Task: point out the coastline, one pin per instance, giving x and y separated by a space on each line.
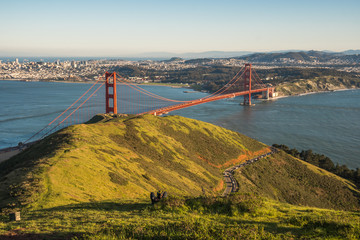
318 92
309 93
92 82
327 91
42 80
174 86
7 155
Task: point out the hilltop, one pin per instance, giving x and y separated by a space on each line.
291 57
123 157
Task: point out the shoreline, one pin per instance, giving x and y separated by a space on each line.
318 92
9 154
92 82
175 85
309 93
326 91
42 80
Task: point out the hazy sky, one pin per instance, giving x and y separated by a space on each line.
124 28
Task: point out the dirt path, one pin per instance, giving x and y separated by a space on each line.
230 181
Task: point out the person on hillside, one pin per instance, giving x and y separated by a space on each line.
159 194
20 145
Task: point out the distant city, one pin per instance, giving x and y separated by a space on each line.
84 69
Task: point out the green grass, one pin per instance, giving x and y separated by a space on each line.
242 216
318 84
287 179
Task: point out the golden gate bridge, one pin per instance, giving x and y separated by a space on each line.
245 83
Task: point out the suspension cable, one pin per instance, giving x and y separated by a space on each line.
139 89
74 110
261 82
171 100
216 93
64 111
230 85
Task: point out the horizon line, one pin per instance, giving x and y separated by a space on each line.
143 55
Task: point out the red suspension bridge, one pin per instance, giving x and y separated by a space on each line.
123 96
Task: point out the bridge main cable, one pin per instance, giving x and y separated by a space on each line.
226 88
64 111
73 110
143 91
261 82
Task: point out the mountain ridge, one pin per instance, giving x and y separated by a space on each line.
240 54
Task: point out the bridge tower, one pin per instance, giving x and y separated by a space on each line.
110 88
247 84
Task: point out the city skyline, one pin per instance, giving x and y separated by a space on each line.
131 28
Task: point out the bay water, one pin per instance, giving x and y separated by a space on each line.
328 123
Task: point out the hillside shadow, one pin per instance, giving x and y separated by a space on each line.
330 228
101 206
17 235
272 227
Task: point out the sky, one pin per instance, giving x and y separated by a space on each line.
133 27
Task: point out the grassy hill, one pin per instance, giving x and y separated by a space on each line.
92 181
287 179
123 157
241 216
317 84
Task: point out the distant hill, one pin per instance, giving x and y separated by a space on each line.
351 52
317 84
194 55
355 58
253 56
198 60
294 56
174 59
302 57
294 80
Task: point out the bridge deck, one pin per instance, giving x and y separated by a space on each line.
201 101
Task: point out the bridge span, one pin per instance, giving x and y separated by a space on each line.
141 101
166 110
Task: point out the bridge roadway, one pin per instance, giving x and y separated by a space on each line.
201 101
231 183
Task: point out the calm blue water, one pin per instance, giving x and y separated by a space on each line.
328 123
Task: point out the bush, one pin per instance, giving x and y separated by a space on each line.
232 205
